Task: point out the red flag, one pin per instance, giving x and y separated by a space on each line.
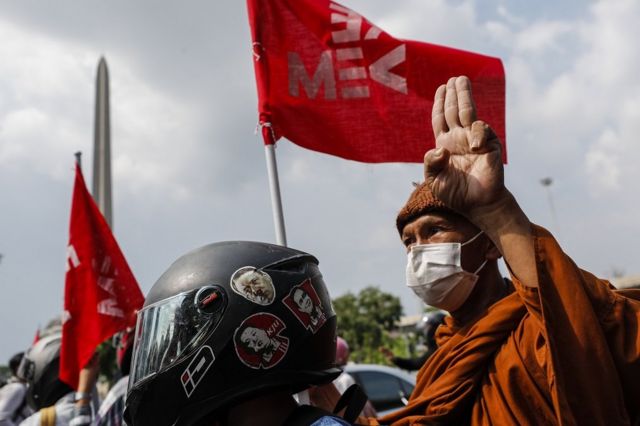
101 295
331 81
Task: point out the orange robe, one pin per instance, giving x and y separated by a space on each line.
567 353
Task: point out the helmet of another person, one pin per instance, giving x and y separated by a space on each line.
342 351
428 325
39 368
225 323
14 362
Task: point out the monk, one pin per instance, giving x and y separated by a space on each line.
555 345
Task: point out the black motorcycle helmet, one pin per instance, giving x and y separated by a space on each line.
39 368
429 324
14 363
225 323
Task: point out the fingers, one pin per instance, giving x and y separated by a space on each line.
466 106
437 114
483 138
435 160
451 104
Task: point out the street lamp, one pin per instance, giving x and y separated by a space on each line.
546 182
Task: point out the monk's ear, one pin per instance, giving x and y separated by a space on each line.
492 252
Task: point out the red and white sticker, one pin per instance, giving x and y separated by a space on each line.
305 304
196 370
259 342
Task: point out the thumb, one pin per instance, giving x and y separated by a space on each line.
435 161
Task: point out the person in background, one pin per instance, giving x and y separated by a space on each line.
427 327
112 407
55 403
13 401
344 381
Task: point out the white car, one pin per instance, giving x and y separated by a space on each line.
388 388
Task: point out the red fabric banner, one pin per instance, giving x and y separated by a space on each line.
331 81
101 295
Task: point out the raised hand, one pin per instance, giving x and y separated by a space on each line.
465 169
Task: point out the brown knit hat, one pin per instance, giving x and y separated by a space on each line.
420 202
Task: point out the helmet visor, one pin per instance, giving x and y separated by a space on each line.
26 369
168 330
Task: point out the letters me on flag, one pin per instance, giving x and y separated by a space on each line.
101 295
331 81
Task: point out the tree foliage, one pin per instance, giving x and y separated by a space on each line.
107 359
365 321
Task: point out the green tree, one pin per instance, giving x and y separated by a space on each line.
107 360
365 321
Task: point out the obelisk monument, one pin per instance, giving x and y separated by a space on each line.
102 145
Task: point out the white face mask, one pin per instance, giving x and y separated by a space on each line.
435 274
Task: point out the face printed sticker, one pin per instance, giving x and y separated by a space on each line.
254 285
305 304
259 342
196 370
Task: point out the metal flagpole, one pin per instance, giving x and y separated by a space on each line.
274 186
269 138
78 156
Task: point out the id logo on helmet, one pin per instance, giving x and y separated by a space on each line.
196 370
259 342
305 304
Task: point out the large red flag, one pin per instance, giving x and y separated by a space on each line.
101 295
331 81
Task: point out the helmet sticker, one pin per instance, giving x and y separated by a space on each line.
254 285
259 341
196 370
305 304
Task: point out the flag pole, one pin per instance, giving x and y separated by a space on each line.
276 201
274 183
268 134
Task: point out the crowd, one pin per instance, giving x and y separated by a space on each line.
244 333
35 395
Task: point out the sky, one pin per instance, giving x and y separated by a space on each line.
188 168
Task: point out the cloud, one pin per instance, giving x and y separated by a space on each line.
46 115
541 36
573 114
154 137
188 169
603 162
34 128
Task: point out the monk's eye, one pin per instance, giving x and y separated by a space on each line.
429 231
408 241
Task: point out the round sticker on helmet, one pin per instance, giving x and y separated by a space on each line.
254 285
259 342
